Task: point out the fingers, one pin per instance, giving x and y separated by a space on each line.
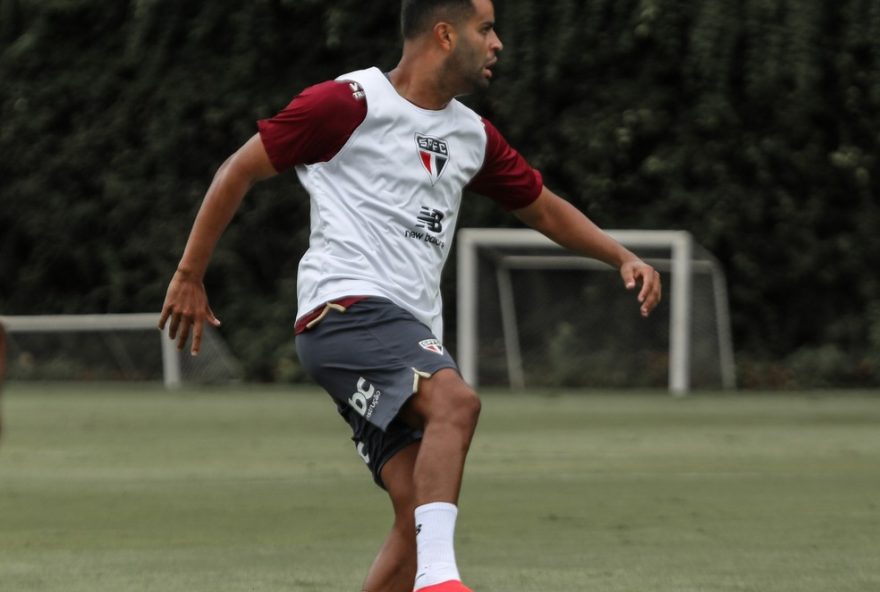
198 330
651 292
212 319
197 339
180 327
184 333
185 311
182 324
163 318
175 323
629 278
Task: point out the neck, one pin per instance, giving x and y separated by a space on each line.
417 81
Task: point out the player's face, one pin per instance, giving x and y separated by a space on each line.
477 48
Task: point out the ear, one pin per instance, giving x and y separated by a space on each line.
445 35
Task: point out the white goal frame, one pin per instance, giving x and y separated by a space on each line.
681 264
171 374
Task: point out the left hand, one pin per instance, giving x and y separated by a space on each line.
635 272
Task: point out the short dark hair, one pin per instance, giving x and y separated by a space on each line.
419 16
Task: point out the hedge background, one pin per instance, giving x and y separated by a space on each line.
754 124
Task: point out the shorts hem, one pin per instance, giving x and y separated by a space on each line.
416 372
377 475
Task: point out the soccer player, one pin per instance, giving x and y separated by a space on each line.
385 158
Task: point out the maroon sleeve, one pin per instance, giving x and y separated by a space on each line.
506 177
315 125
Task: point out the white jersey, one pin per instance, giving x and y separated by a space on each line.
384 208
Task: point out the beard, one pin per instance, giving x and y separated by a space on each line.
465 66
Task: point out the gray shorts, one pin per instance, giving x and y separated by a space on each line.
370 359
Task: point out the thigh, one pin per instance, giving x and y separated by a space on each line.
370 360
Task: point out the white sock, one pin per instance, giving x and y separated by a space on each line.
435 530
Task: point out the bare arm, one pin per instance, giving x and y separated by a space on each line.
186 302
569 227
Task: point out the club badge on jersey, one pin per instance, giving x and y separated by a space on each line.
432 345
434 154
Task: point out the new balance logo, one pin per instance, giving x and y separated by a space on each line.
431 220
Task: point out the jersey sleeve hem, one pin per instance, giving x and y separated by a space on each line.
506 177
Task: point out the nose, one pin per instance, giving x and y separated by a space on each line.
496 42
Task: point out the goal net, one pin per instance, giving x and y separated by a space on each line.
125 347
531 314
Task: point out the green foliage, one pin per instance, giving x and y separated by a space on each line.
114 121
751 123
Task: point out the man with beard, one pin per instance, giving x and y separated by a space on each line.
385 158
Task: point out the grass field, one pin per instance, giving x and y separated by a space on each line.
131 488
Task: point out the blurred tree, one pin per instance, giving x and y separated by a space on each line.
751 123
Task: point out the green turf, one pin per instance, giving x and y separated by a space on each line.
123 489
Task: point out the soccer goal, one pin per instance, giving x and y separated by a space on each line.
125 347
531 313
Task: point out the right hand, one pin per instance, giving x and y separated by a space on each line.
636 271
186 304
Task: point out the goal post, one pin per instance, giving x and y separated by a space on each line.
176 367
520 249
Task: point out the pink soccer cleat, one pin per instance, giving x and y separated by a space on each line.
450 586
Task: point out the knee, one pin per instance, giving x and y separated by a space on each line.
461 406
445 398
471 406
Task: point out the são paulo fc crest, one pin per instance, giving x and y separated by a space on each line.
434 154
432 345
